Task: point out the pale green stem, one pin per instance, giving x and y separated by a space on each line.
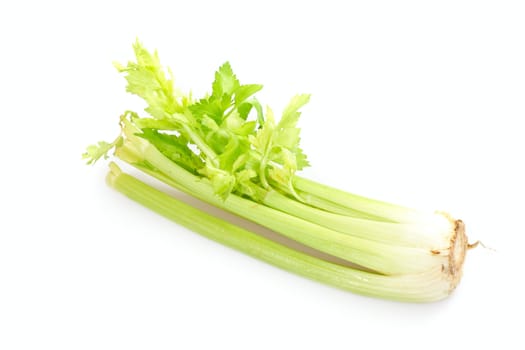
384 258
203 146
425 287
376 208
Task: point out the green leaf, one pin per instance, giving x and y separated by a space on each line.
300 158
225 81
101 149
291 113
243 92
210 107
147 79
287 138
232 151
175 148
262 140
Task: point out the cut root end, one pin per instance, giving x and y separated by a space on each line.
458 250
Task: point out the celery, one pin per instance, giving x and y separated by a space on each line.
225 150
424 287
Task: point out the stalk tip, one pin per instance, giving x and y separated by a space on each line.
114 172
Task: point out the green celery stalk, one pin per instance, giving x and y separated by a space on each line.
350 203
423 287
370 253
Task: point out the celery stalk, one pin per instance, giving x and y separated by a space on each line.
372 253
354 203
424 287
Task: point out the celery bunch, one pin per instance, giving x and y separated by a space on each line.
227 150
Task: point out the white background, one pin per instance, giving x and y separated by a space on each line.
415 102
